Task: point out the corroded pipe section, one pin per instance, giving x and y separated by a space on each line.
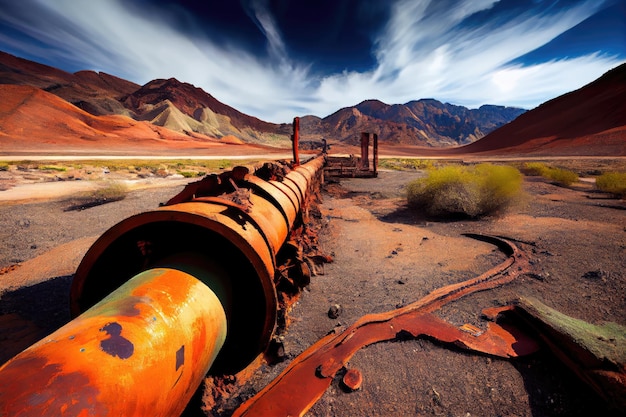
155 337
155 296
242 231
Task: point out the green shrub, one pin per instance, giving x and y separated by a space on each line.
499 185
223 164
4 166
535 168
190 174
612 182
466 191
560 176
111 192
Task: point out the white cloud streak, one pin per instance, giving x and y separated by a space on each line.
427 54
421 53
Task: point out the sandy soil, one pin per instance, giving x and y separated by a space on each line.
385 256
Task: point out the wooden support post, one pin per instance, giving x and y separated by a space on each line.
365 143
295 139
375 167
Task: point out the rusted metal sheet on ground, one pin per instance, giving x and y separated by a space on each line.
308 376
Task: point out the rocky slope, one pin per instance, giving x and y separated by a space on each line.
96 93
588 121
35 121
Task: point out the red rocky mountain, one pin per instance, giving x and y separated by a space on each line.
185 108
96 93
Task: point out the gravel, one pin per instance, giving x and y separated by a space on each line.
28 230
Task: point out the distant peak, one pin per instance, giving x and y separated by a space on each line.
371 101
371 105
173 84
161 82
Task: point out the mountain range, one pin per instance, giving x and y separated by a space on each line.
45 108
425 122
185 109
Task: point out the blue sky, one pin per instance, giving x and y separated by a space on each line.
276 59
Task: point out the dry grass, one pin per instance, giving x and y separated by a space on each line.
108 193
133 166
406 163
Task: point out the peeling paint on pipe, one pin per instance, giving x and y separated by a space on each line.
156 336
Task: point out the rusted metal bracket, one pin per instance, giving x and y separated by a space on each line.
595 353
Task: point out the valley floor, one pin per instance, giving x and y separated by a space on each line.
384 256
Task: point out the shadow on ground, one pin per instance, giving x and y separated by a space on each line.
31 313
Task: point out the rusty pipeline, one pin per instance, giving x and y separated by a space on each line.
164 296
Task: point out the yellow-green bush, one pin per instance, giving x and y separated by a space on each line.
612 182
560 176
467 191
534 168
107 193
57 168
191 174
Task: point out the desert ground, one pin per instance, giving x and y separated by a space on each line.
385 255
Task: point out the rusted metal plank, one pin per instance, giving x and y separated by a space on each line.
595 353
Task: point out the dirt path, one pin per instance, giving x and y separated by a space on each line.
385 256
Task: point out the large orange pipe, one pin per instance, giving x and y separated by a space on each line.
155 337
223 249
243 239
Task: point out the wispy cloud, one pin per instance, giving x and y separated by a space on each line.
428 49
429 53
267 25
